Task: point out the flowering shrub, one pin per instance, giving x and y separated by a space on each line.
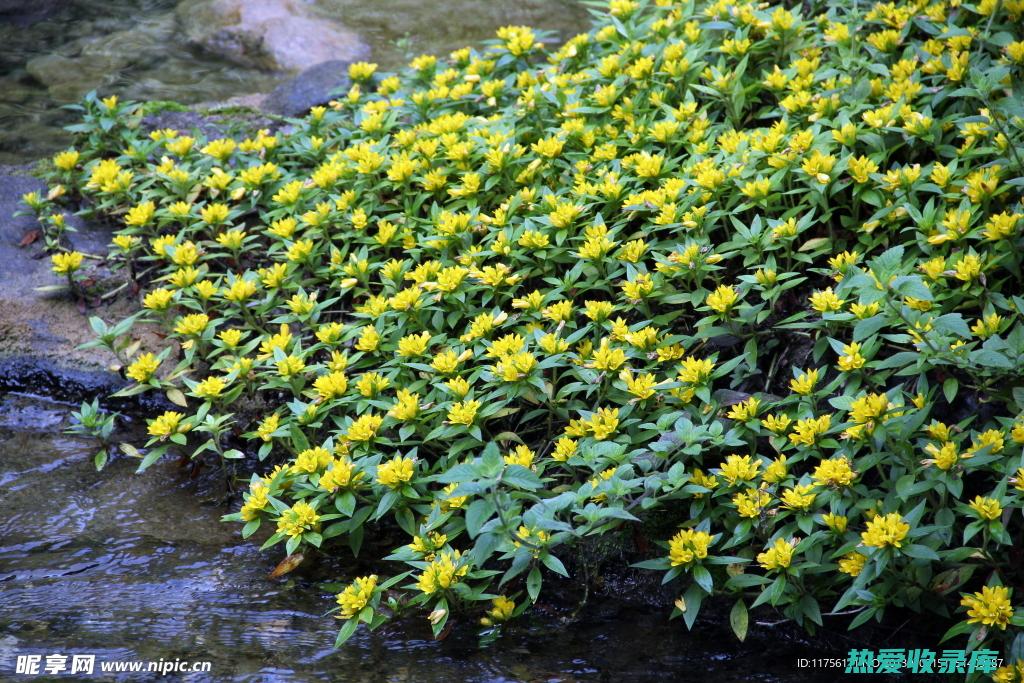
746 269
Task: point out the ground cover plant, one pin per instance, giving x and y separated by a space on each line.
747 269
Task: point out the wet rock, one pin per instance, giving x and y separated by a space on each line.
238 118
27 12
147 37
68 79
276 35
34 323
316 85
51 69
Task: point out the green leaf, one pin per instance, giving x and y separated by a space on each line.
346 632
912 286
521 477
921 552
151 458
554 564
533 582
703 578
693 598
477 514
739 619
345 503
949 388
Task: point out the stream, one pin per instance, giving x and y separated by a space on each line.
139 567
52 52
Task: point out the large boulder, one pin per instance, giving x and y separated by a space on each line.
275 35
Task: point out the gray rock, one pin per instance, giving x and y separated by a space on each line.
275 35
316 85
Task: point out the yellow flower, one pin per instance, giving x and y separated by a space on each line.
331 385
722 299
192 324
140 214
396 473
944 457
807 431
885 530
311 460
607 358
143 368
66 160
688 546
500 612
406 407
356 596
340 474
986 508
836 523
749 503
799 497
289 366
369 339
777 424
364 427
776 471
852 563
413 345
65 263
565 448
165 425
463 413
835 472
990 607
804 382
968 268
740 468
268 426
548 147
522 456
641 386
778 556
851 359
603 423
443 572
298 519
210 388
826 301
745 410
255 501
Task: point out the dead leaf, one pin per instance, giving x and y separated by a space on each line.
30 237
287 564
175 396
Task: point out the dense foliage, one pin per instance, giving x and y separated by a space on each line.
737 267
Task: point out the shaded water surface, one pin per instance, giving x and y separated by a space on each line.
54 51
133 567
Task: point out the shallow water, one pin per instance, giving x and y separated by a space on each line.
130 567
133 48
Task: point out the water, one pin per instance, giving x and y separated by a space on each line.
130 567
134 48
